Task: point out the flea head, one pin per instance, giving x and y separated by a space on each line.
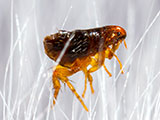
115 35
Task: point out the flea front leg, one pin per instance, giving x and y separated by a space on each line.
105 68
109 53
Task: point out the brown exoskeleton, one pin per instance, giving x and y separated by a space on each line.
86 47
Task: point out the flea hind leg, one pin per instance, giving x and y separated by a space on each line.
56 86
61 73
65 80
85 83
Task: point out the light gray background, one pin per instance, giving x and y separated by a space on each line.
25 70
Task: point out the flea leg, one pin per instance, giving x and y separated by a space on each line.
107 70
82 65
56 86
85 84
90 79
96 63
118 62
110 53
65 79
61 73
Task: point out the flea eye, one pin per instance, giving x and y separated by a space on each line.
118 33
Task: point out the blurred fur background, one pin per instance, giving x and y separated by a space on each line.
25 71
